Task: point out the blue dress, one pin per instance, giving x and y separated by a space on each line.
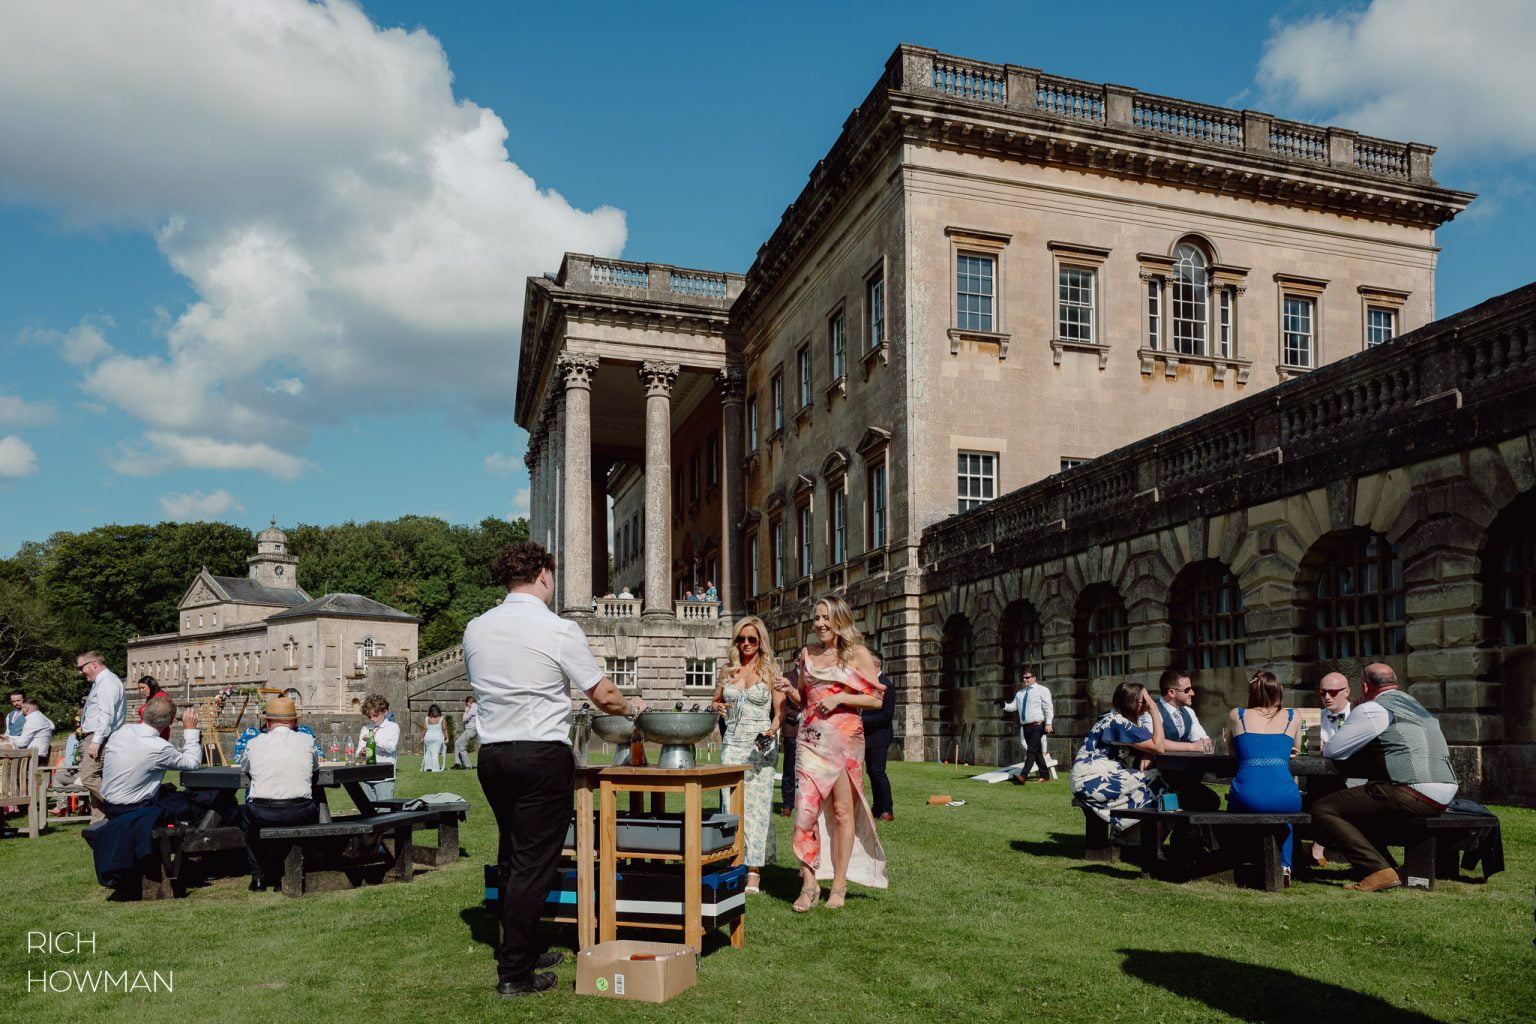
1263 783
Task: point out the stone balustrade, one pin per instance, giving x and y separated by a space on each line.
920 70
618 607
653 281
697 611
1480 356
434 662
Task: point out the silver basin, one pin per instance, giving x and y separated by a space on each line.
612 728
677 727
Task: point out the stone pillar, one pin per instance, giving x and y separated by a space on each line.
533 459
658 379
575 560
600 582
732 383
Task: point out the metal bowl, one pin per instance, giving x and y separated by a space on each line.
677 727
613 728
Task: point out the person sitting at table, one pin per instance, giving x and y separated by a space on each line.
386 740
1263 741
36 730
136 762
1182 732
1102 772
279 773
1333 697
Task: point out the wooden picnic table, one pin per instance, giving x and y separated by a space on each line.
1224 766
327 776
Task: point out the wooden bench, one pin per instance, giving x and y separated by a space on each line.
446 818
1249 844
160 875
19 786
353 842
1432 846
1097 846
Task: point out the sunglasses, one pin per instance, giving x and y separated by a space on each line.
754 641
1331 693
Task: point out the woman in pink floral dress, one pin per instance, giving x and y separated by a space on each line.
833 680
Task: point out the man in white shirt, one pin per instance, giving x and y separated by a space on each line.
36 732
1182 731
279 771
1409 768
466 734
138 758
522 661
106 708
1333 695
1037 716
385 732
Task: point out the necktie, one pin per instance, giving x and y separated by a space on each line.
1336 719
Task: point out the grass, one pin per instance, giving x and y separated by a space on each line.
991 916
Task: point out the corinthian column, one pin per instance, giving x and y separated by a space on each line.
576 560
658 379
732 383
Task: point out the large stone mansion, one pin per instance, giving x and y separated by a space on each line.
995 278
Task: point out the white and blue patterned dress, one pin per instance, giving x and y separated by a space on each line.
1102 774
747 713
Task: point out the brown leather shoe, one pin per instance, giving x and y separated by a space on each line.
887 816
1386 878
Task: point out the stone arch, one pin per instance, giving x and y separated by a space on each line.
959 715
1101 641
1350 604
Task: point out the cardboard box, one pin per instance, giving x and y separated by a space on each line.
607 969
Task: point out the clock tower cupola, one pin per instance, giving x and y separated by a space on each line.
272 565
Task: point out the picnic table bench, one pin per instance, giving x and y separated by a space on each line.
161 874
347 846
1097 845
1439 847
1249 844
445 818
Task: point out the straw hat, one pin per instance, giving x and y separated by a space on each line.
280 708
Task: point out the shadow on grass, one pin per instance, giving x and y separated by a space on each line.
1057 844
1260 995
482 925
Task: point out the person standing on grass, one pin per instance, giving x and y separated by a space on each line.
385 732
1037 715
1411 776
467 734
522 660
878 731
105 711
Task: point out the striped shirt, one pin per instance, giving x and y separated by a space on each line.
280 764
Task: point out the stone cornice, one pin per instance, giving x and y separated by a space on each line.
1023 114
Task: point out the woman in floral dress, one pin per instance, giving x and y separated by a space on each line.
834 679
752 710
1102 772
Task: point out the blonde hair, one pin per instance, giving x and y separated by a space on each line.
846 635
767 664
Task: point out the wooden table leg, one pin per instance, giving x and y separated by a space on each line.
607 863
693 843
739 847
586 895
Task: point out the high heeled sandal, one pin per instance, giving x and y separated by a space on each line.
808 899
754 882
837 897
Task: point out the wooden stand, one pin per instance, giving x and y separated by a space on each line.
609 782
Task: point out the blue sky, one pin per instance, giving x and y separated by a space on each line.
266 257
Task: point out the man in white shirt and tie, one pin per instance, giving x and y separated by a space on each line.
138 758
1333 695
279 769
106 708
1037 714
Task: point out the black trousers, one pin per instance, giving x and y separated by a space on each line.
528 785
261 856
1034 750
790 738
1354 820
876 751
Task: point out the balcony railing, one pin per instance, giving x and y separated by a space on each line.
1009 86
654 281
697 611
618 607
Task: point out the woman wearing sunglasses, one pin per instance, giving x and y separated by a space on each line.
753 711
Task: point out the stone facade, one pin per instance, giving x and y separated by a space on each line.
264 631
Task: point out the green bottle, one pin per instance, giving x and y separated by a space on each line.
1303 739
373 750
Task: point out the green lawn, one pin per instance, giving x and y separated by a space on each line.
991 917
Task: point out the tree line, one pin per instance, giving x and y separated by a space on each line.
100 588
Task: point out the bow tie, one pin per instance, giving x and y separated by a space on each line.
1336 719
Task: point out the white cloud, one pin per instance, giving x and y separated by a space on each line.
503 465
17 459
355 236
196 506
1455 75
163 451
520 503
80 345
22 413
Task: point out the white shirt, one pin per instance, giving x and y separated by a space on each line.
1037 708
386 740
280 764
105 707
1326 728
36 734
471 716
522 660
1197 733
138 759
1366 722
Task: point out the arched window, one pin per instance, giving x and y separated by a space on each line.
1101 633
959 668
1509 573
1023 642
367 649
1356 607
1205 609
1191 300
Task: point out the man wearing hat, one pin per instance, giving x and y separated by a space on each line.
279 783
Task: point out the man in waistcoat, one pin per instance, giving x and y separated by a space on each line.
1401 746
1182 731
